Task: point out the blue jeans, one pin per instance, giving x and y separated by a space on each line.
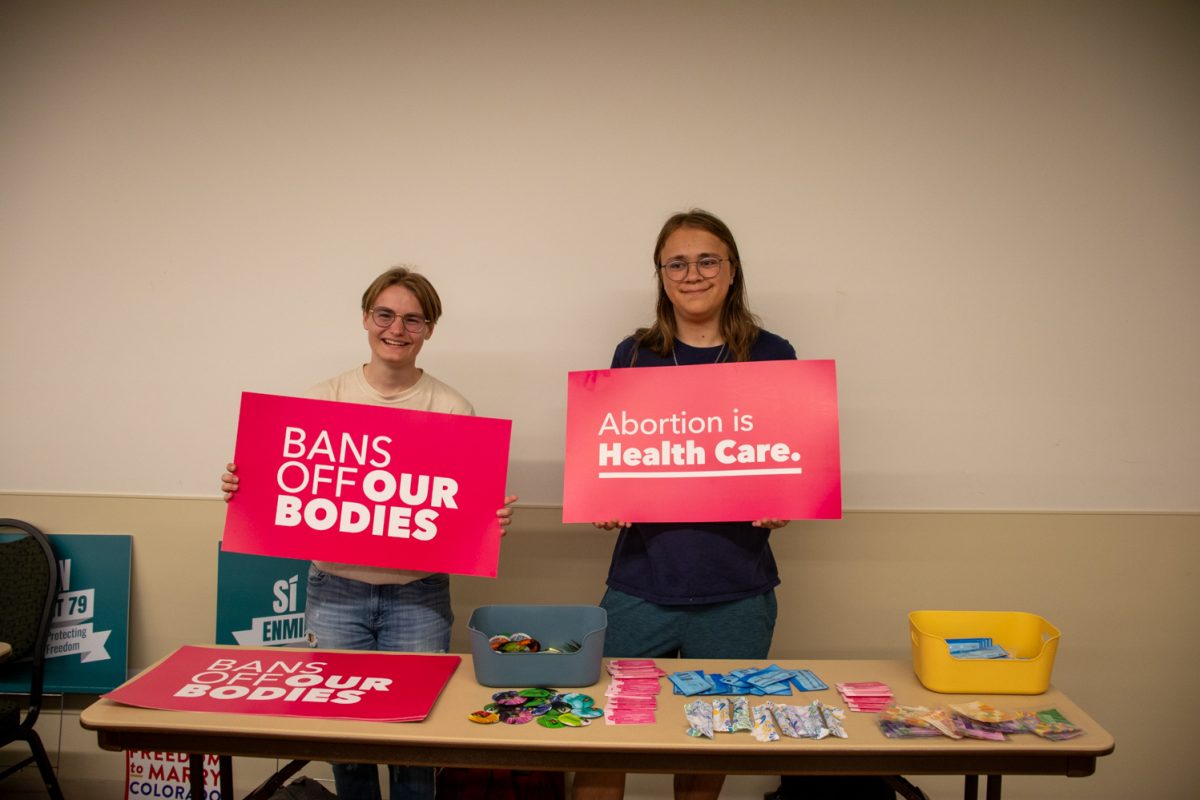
343 614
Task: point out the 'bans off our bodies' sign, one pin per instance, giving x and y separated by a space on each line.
717 442
384 687
361 484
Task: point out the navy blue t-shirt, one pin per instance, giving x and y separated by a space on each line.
690 563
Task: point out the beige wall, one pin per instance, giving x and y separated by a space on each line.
1122 587
984 212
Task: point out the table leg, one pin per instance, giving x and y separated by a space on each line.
993 787
196 774
970 787
226 776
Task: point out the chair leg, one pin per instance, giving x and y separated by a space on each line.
905 788
13 769
45 767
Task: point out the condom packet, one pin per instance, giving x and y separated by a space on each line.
717 686
786 719
699 715
909 715
805 680
739 681
984 712
737 678
868 696
720 685
722 715
905 722
831 717
980 720
973 729
976 647
1051 724
966 644
940 718
894 729
771 680
812 722
741 715
984 653
690 683
764 729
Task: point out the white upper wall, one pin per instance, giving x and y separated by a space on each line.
985 212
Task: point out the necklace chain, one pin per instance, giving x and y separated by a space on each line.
720 353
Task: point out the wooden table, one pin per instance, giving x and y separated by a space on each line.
448 738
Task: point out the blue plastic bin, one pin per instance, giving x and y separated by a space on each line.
551 625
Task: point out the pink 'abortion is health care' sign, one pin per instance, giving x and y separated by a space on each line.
362 484
715 442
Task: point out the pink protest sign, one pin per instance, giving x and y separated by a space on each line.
360 484
276 681
710 443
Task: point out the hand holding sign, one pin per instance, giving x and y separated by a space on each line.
229 481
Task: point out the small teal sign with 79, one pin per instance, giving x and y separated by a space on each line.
87 646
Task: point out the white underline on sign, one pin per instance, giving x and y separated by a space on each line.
710 473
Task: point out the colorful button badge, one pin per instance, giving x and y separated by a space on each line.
514 643
550 708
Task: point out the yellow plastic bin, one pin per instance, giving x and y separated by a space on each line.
1031 640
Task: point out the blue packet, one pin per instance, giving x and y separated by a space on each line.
690 683
993 651
720 685
771 675
805 681
737 678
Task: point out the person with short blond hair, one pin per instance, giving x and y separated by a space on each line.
355 607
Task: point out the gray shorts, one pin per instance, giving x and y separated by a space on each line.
638 628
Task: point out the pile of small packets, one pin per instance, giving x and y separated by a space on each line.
751 680
551 709
974 720
765 721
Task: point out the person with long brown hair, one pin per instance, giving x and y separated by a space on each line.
691 590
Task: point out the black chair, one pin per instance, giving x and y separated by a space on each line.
28 590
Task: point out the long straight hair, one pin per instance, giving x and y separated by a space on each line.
739 327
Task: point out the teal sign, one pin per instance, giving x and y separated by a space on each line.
260 600
87 650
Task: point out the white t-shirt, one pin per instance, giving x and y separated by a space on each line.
427 394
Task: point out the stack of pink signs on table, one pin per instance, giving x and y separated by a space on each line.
633 692
865 695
